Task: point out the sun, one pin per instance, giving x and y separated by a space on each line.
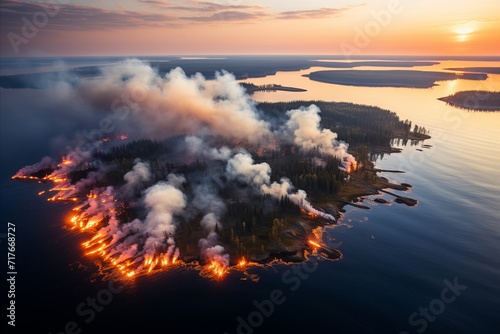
464 30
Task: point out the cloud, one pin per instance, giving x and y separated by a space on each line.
156 3
227 16
312 13
213 7
76 17
160 14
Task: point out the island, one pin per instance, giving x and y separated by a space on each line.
478 100
252 88
389 78
491 70
218 205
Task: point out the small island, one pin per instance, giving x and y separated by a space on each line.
252 88
478 100
389 78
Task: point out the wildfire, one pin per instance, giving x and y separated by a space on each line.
217 268
353 166
314 244
63 199
310 214
98 206
122 137
242 263
26 177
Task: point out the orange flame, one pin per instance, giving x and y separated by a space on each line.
242 263
353 166
313 243
310 214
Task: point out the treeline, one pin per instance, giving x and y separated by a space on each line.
355 124
138 148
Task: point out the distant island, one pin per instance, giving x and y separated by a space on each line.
389 78
491 70
251 88
474 100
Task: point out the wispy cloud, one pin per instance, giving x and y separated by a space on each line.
76 17
213 7
312 13
163 14
227 16
156 3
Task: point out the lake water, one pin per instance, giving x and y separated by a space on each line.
396 258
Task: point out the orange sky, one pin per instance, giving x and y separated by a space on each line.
157 27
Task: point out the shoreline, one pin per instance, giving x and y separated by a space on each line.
474 100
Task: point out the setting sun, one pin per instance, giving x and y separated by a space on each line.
464 30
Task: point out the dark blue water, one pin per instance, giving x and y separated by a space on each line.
396 258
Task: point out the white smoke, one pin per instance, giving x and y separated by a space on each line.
210 246
198 147
163 200
137 177
241 167
299 198
304 125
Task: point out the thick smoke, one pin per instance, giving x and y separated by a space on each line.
163 200
304 125
198 147
241 167
176 104
137 177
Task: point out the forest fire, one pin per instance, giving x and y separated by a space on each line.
217 269
224 179
62 199
310 214
98 206
25 177
242 263
313 244
352 167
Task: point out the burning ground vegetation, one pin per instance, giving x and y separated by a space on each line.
210 196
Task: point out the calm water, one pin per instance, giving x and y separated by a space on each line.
395 261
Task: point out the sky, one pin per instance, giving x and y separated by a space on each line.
320 27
